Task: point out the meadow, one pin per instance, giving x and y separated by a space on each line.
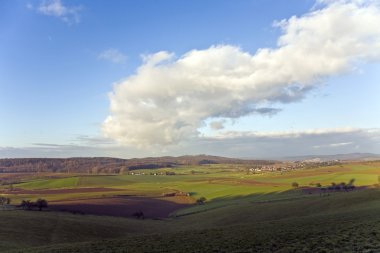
243 211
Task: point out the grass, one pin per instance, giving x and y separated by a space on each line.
211 182
26 229
343 222
57 183
243 213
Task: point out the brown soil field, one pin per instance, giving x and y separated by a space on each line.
63 191
370 171
42 175
13 175
123 206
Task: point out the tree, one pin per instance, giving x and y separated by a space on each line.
295 185
201 200
350 185
318 185
26 204
41 203
139 215
5 201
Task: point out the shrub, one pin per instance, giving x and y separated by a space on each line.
41 203
201 200
139 215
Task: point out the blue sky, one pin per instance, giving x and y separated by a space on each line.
59 60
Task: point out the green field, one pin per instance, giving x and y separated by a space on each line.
243 213
211 182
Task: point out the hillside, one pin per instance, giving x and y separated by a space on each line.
241 212
343 222
94 165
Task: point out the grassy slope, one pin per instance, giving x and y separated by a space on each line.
69 182
26 229
345 222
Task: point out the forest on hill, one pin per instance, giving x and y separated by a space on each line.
95 165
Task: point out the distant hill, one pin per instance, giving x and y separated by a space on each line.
341 157
94 165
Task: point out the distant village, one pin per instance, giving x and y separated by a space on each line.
284 167
158 173
278 167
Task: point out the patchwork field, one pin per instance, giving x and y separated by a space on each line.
242 211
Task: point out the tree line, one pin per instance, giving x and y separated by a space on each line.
97 165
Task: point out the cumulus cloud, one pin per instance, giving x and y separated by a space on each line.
68 14
170 98
113 55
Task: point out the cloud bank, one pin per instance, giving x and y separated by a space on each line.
231 144
169 98
292 143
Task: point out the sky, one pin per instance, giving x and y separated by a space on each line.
247 78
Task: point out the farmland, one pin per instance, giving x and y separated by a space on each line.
242 211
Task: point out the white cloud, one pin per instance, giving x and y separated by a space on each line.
68 14
113 55
170 98
333 145
288 134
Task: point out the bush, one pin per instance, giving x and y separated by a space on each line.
41 203
201 200
295 185
5 201
139 215
26 205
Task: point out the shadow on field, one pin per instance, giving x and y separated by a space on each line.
297 193
124 206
